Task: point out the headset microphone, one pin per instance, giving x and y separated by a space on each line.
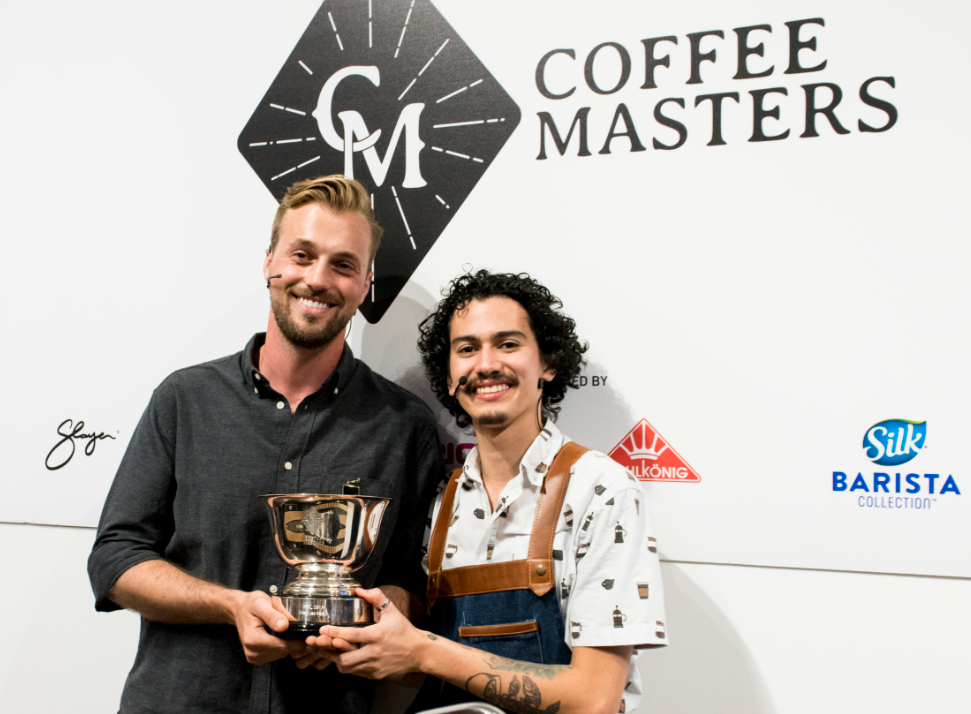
271 278
463 380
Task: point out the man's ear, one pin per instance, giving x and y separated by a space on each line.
266 265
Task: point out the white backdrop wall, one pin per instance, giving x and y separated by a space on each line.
758 304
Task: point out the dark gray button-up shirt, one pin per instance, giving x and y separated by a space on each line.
213 438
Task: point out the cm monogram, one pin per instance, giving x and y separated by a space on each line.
388 93
355 128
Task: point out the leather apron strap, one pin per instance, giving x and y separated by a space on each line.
436 542
534 573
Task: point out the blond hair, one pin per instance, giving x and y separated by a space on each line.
342 194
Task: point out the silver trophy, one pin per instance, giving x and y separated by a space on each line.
325 538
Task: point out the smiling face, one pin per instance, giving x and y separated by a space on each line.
323 258
494 346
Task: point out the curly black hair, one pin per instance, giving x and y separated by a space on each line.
559 346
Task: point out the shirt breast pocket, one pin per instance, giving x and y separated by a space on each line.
381 518
378 525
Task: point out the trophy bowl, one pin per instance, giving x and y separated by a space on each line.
325 538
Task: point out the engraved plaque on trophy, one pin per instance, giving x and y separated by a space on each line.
325 538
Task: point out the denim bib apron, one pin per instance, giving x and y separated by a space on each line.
508 609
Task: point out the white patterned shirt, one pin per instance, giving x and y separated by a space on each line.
608 578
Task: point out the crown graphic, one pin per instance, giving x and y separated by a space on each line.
643 451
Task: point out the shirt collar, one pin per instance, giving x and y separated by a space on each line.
535 462
338 379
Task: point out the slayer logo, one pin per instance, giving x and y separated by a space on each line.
647 455
387 93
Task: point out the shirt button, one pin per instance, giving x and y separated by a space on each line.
288 466
279 405
255 390
335 390
257 377
273 589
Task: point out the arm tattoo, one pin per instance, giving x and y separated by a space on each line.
464 647
530 703
540 671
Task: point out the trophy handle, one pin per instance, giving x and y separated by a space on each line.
372 523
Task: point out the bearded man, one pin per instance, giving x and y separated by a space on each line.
183 538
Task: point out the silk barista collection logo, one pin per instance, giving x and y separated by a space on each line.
895 442
660 64
387 93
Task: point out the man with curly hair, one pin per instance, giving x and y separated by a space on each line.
543 577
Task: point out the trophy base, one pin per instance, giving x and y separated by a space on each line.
297 631
312 613
303 630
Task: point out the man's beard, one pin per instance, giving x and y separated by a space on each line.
315 336
496 418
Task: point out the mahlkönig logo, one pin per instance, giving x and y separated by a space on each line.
649 457
894 442
387 93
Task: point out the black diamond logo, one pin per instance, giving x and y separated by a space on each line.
386 92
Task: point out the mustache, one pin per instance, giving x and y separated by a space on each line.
475 382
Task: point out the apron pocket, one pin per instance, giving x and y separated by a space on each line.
518 640
513 628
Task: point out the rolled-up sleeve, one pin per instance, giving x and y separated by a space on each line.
136 523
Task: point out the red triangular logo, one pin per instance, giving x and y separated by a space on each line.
649 456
